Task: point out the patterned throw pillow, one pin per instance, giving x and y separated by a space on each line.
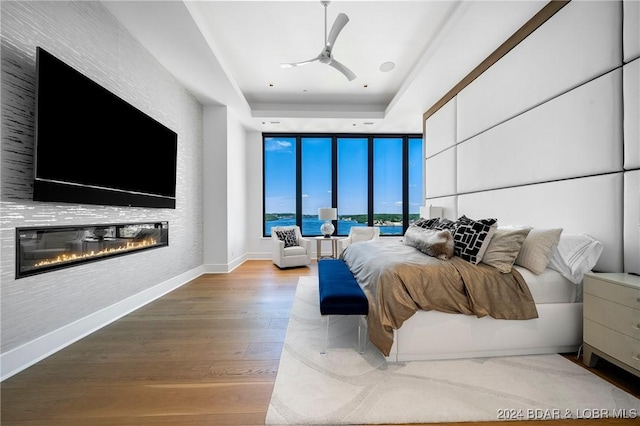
427 223
471 238
288 236
445 223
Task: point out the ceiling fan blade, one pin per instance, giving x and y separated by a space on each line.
297 64
338 25
343 69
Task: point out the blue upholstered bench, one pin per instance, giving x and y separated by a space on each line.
340 293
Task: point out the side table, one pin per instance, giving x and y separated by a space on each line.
334 247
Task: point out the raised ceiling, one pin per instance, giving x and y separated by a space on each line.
229 53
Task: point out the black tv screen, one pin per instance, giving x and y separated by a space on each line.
93 147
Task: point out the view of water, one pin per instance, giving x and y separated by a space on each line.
311 227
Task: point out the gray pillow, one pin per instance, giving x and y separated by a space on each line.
432 242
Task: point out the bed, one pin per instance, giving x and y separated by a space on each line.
544 138
427 323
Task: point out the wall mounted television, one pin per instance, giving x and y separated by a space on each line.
92 147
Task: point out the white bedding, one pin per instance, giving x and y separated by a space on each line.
437 335
550 287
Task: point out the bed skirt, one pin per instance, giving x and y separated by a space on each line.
430 335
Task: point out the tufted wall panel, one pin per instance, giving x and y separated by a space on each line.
631 30
631 73
548 136
573 47
581 132
563 204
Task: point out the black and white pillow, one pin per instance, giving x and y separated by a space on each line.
445 223
471 238
288 236
427 223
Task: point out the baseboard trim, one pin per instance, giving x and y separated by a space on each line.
28 354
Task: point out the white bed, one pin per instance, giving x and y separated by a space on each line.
558 328
438 335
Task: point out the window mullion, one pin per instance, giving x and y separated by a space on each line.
299 181
370 185
405 183
334 177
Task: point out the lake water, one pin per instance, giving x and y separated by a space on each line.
311 227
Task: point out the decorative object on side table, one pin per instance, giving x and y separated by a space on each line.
327 214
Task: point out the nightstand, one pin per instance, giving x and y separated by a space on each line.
334 247
612 320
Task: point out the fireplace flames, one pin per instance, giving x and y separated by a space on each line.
64 258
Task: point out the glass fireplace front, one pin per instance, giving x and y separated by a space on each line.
46 249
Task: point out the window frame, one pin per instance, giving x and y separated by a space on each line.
298 137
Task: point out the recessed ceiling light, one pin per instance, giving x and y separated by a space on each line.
270 84
387 66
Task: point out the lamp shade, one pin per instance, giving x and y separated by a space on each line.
428 212
327 213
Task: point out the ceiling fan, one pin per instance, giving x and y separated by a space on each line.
325 56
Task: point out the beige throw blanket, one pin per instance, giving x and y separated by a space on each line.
398 280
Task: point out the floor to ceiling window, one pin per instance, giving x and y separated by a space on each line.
372 180
279 165
316 181
353 183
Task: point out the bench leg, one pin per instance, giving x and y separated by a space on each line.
362 335
325 345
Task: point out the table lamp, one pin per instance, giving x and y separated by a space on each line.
327 214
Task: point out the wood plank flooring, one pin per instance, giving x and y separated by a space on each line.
205 354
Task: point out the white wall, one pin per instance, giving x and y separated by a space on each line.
45 312
237 199
258 247
226 187
215 188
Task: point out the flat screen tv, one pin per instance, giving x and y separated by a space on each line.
92 147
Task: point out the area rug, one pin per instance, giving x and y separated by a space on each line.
347 387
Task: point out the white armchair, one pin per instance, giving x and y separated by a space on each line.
359 233
289 249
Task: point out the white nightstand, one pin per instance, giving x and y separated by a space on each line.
612 320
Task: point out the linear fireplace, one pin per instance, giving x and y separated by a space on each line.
46 249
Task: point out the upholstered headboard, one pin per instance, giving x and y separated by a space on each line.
548 135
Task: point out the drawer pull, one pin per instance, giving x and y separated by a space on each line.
636 356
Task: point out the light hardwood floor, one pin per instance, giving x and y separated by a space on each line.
205 354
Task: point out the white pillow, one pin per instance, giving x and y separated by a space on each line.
537 249
575 255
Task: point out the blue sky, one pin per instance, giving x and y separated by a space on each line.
352 175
